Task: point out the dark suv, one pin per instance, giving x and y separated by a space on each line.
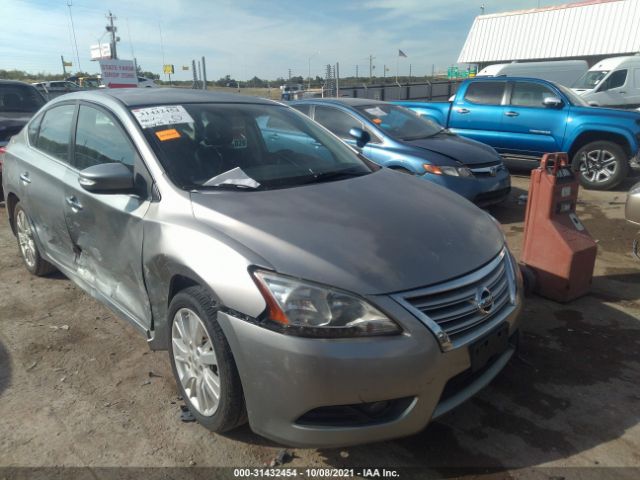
18 102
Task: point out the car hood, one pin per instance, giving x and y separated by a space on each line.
379 233
463 150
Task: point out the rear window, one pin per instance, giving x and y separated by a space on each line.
20 98
485 93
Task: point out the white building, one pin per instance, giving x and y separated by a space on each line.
588 30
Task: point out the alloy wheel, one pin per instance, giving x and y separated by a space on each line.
598 166
195 361
25 239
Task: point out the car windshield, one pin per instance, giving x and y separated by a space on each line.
590 79
20 98
245 147
399 122
572 96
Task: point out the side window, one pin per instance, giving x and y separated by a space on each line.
636 75
55 131
306 109
32 131
527 94
336 121
485 93
99 139
616 80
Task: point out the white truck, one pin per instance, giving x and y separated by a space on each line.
612 82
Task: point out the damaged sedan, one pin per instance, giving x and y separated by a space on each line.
295 284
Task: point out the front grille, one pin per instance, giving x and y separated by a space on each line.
486 169
453 307
488 198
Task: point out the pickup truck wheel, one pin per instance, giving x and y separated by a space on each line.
601 165
28 248
202 362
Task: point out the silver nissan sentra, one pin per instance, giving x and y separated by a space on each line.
295 284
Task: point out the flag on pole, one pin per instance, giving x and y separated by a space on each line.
401 53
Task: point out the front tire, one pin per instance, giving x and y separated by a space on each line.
202 362
601 165
28 248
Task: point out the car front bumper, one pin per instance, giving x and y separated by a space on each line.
285 377
483 190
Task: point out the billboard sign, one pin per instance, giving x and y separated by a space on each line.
98 52
118 73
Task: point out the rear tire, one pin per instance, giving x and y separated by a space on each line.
601 165
29 252
202 362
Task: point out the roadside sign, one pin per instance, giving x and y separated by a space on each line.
118 73
67 64
185 67
168 69
101 51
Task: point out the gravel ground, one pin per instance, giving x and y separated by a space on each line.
80 388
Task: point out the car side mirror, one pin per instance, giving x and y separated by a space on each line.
552 102
107 178
361 136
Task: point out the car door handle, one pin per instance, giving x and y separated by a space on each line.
464 110
74 203
622 93
25 178
511 114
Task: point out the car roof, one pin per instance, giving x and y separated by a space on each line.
349 101
14 82
141 97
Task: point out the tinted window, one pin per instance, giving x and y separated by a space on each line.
55 131
485 93
336 121
99 139
530 94
20 98
616 79
306 109
34 125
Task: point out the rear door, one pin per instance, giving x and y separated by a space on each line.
43 176
478 114
106 229
529 127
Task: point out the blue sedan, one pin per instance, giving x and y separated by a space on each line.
404 141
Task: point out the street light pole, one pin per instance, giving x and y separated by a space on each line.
309 77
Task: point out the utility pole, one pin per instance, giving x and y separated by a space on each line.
371 59
357 73
409 73
204 75
64 68
289 75
384 74
70 4
112 29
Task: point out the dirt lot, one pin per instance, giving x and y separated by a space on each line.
79 387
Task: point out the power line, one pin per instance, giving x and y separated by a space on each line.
73 29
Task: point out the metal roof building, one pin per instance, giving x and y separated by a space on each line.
589 30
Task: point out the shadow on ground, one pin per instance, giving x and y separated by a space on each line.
5 368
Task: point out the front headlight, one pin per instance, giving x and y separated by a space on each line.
447 170
307 309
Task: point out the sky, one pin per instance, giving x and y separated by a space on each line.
243 38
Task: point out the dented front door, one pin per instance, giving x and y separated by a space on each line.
107 229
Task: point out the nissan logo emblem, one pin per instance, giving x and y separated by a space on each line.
484 300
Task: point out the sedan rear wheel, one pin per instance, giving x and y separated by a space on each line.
28 248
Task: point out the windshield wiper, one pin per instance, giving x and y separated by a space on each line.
334 175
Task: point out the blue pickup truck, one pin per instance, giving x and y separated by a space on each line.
523 118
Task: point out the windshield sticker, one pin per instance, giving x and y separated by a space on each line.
239 142
170 134
375 111
162 115
377 121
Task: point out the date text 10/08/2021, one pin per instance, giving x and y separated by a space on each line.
315 472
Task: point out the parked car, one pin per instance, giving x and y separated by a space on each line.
54 89
144 82
524 118
18 102
612 82
401 140
563 72
299 285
